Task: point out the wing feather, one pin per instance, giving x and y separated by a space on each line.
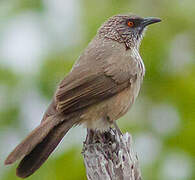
85 86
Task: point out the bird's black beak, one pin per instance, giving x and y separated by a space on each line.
150 20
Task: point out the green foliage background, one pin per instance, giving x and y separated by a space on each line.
163 83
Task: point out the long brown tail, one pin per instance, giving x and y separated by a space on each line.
37 147
31 162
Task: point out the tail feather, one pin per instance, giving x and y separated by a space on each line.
31 162
35 137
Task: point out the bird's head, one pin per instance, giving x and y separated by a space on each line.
128 29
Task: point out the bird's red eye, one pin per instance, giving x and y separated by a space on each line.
130 23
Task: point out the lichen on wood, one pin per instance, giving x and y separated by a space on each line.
110 156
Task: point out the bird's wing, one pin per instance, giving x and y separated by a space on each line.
91 83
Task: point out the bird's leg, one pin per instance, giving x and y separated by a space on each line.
117 128
100 137
94 136
115 125
90 136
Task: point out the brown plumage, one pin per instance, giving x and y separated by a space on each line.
101 87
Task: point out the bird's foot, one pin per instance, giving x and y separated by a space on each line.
117 128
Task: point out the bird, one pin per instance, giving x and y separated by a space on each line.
100 88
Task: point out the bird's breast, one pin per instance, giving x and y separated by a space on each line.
95 117
136 56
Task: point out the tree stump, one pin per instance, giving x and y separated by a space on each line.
109 156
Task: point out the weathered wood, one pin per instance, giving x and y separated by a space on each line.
109 156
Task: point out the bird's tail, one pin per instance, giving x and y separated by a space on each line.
38 145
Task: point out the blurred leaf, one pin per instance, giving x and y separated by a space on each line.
22 5
7 77
52 71
9 116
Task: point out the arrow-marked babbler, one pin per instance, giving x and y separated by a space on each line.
101 87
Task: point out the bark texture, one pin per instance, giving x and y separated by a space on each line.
109 156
